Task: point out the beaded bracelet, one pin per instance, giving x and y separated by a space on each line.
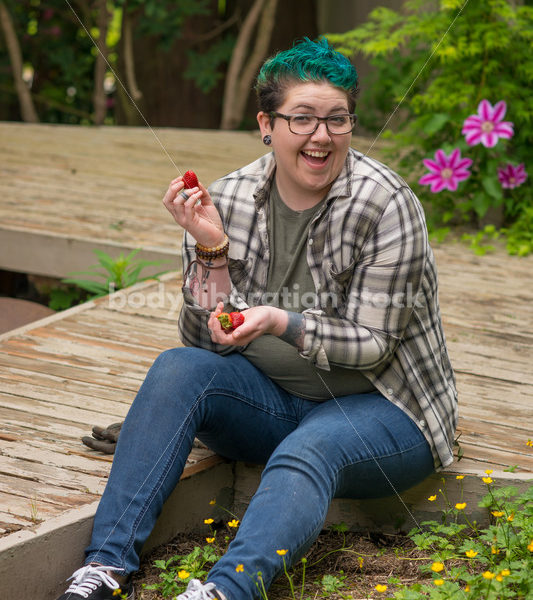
215 252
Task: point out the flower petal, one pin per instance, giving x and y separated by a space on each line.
432 165
489 140
472 139
455 157
438 186
461 175
473 121
429 178
441 158
464 163
504 129
499 110
485 111
451 184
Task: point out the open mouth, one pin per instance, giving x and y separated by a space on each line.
315 157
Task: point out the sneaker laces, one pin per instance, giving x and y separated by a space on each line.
89 578
196 590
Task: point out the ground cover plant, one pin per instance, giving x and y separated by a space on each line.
444 559
444 71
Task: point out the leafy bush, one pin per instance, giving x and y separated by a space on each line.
436 65
492 563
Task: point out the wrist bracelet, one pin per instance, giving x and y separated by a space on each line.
214 252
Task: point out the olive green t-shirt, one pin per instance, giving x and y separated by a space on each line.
291 287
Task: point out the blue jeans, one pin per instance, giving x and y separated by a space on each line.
355 446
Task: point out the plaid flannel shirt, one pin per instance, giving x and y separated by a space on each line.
375 279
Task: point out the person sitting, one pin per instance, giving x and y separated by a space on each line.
338 381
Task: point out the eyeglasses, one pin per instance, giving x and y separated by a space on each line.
304 124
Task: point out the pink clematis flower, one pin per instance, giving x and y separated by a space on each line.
487 126
446 171
511 177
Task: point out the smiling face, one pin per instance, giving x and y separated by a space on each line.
307 165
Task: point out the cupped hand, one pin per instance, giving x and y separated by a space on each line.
197 214
258 321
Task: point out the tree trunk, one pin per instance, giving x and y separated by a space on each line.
240 73
27 108
100 64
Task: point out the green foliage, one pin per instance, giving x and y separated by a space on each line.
435 63
62 84
332 584
492 563
204 68
178 570
113 274
61 298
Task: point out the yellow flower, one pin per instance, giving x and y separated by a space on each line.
459 477
437 567
471 553
239 568
380 588
489 471
498 513
210 540
467 588
488 575
432 498
530 546
487 480
505 572
360 560
209 521
529 443
438 581
494 550
510 517
233 523
282 552
183 574
460 505
212 502
499 578
117 592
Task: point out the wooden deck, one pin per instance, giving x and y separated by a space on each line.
65 190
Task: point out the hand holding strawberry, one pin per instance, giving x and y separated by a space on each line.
230 321
194 210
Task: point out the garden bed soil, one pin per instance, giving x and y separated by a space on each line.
360 562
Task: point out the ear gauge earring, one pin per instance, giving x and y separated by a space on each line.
267 140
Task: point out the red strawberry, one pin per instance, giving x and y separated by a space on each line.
190 180
225 321
237 319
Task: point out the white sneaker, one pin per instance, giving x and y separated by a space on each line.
196 590
93 582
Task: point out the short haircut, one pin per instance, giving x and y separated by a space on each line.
307 61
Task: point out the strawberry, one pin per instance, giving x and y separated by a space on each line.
225 321
230 321
237 319
190 180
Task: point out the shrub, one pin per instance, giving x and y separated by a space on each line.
446 60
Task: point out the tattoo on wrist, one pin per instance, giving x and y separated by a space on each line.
295 332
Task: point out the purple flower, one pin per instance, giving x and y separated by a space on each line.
487 126
446 171
511 177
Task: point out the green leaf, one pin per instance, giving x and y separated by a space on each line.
436 123
493 188
481 203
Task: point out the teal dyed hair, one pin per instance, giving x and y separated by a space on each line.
306 61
